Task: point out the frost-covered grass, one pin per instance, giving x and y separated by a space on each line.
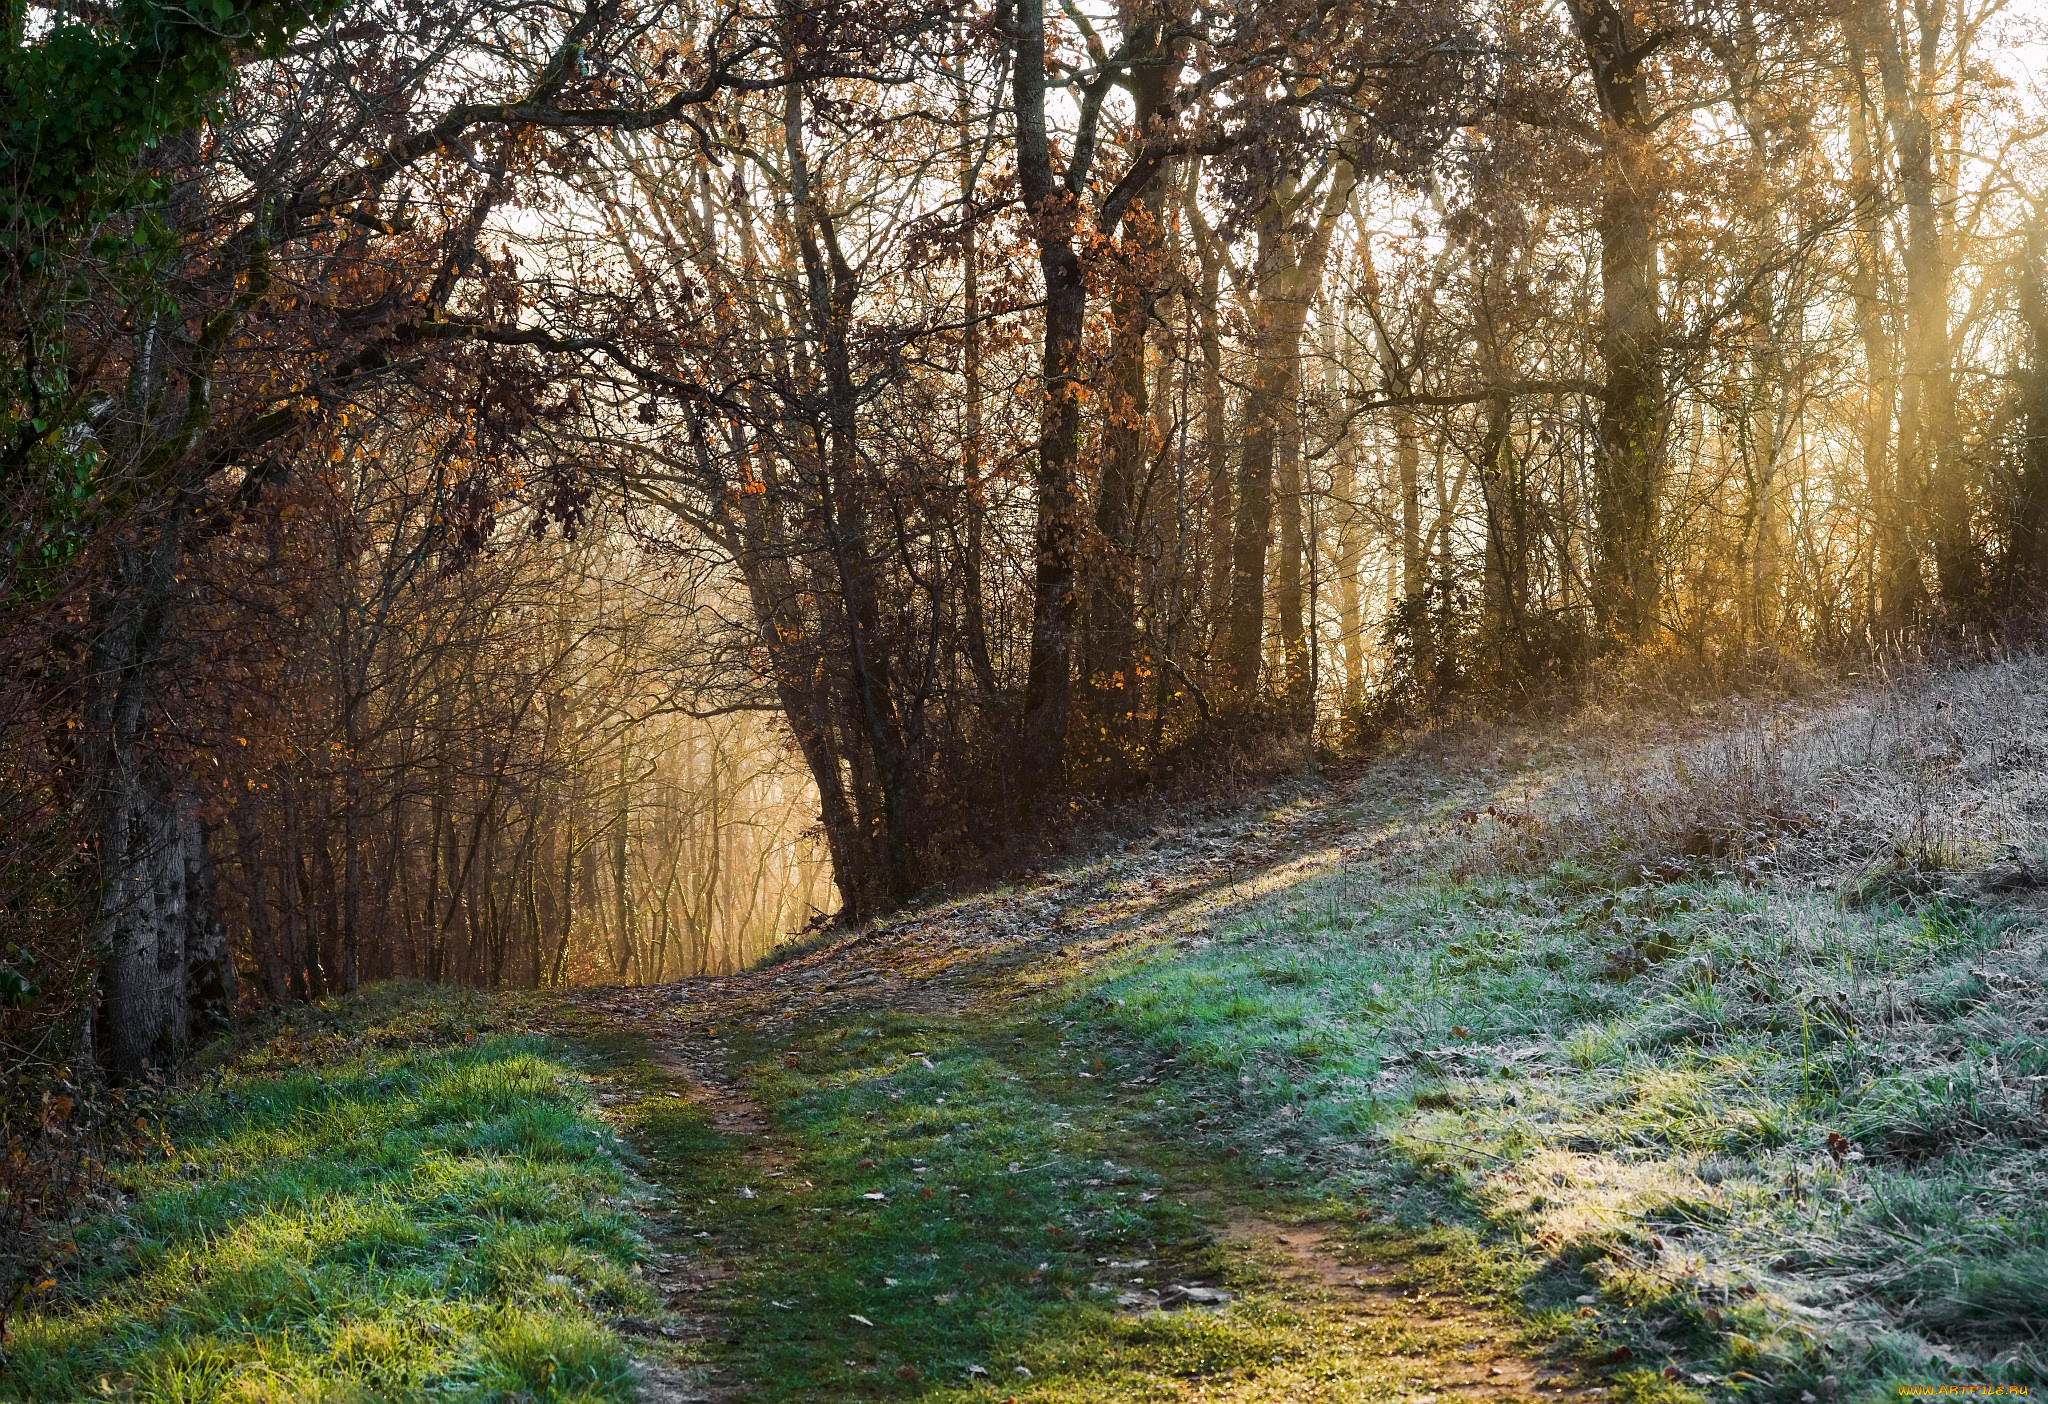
1749 1056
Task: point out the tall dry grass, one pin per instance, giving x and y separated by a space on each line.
1927 776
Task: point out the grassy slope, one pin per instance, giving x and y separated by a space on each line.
396 1196
1611 1109
1708 1129
1749 1031
1641 1088
1731 1057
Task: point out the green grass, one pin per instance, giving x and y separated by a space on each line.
1638 1086
1018 1199
409 1195
981 1256
390 1198
1713 1141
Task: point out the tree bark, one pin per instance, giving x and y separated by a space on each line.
1127 428
974 623
1628 453
2027 555
1215 409
210 990
269 958
1350 623
1931 488
1408 471
1892 574
1288 268
1052 209
831 287
1504 596
1344 522
159 936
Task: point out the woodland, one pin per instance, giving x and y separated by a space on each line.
535 493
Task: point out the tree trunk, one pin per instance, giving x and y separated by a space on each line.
1408 467
1052 209
301 939
974 621
1892 573
167 974
1215 414
2027 555
143 936
1930 473
1252 526
1350 621
1343 509
1628 452
159 936
1287 272
351 851
209 962
1504 608
263 936
622 892
797 669
1127 429
831 287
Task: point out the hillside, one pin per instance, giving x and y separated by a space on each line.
1697 1060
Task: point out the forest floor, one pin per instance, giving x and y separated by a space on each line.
1690 1057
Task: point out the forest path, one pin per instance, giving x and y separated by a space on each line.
1360 1314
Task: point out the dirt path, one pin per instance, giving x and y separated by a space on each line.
1464 1350
1171 886
973 961
685 1275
